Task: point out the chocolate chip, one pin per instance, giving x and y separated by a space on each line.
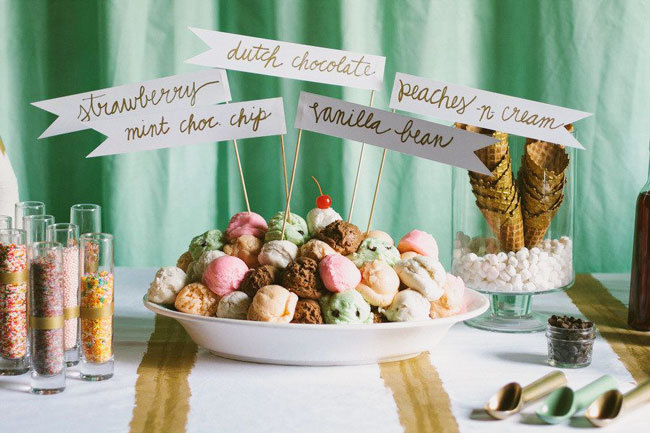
372 248
336 313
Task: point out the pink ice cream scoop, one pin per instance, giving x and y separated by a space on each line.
339 273
420 242
224 274
246 223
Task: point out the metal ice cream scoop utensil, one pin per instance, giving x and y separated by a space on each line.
513 397
564 402
613 405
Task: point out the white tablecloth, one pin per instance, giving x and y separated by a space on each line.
230 396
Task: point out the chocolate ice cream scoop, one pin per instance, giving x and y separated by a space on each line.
301 277
257 278
308 311
342 236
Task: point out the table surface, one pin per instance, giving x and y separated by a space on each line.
231 396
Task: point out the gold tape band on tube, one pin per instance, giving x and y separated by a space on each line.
71 312
94 313
46 323
14 277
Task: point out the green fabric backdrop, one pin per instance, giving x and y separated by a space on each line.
589 55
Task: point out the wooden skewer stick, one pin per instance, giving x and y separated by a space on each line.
356 179
241 174
284 168
293 175
374 199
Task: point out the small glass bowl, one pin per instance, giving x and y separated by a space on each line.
570 348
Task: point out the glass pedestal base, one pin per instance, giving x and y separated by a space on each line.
510 313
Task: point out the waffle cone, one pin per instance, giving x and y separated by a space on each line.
536 228
546 159
507 227
497 195
491 155
541 181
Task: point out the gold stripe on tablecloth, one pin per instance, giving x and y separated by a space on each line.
422 402
162 391
610 316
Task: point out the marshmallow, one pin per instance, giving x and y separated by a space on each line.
545 267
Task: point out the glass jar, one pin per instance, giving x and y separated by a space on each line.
26 208
639 311
513 230
68 236
96 306
14 279
46 318
570 348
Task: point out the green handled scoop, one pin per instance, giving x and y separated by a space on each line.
613 404
564 402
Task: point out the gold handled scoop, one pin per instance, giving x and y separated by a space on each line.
512 397
611 405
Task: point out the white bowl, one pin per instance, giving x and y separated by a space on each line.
302 344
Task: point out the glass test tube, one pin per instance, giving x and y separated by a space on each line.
86 216
96 306
36 227
46 318
14 278
26 208
68 236
5 222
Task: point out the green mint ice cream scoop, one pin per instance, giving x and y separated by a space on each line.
295 230
562 403
375 249
345 307
208 241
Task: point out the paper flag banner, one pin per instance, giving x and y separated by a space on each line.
175 128
289 60
392 131
196 89
485 109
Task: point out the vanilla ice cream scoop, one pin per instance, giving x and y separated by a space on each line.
424 274
166 284
318 219
234 306
407 306
278 253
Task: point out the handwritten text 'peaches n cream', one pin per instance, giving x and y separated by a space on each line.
289 60
485 109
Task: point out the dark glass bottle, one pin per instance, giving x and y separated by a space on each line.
639 312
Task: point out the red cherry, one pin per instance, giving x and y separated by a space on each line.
324 201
